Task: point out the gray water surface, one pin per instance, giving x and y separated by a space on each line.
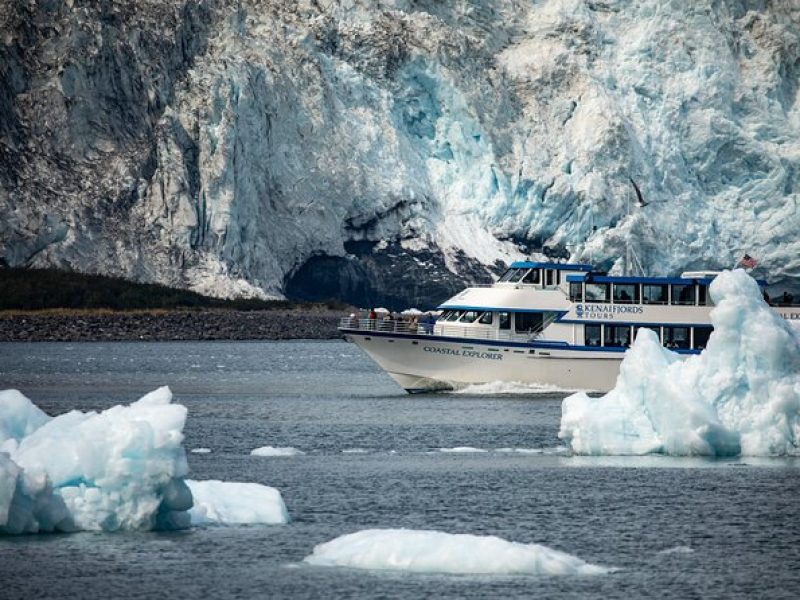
740 518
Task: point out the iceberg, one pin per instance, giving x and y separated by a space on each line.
122 468
227 503
437 552
740 396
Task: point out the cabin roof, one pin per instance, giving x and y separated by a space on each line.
548 265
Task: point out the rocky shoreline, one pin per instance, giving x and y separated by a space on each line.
78 326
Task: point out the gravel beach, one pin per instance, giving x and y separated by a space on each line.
79 326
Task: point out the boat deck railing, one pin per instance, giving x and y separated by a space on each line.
402 326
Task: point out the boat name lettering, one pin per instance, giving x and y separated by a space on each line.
792 316
464 353
605 311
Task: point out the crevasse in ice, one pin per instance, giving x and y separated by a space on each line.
741 395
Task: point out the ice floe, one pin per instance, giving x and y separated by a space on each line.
437 552
200 450
280 451
118 469
741 395
227 503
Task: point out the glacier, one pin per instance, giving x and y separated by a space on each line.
740 396
120 469
389 152
420 551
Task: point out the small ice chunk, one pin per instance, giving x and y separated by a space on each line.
224 502
462 450
437 552
678 550
741 395
279 451
200 450
355 451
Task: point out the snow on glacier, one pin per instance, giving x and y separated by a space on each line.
228 503
741 395
120 469
437 552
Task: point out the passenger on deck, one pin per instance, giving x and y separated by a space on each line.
373 317
787 299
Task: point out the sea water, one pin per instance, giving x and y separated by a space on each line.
483 463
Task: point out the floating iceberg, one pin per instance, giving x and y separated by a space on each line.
740 396
280 451
437 552
226 503
118 469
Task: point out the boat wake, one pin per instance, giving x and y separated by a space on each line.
509 388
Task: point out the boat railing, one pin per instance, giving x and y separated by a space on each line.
408 327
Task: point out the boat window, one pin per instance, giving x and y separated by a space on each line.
519 275
654 329
701 335
528 322
505 320
533 276
444 315
682 294
454 315
596 292
702 295
508 275
486 318
576 292
676 337
626 293
618 336
548 277
654 294
469 316
591 335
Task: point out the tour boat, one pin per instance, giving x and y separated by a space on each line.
542 323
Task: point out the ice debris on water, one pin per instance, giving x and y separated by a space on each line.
119 469
741 395
122 468
228 503
276 451
422 551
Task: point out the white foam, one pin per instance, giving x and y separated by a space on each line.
279 451
355 451
226 503
463 450
200 450
438 552
740 396
508 388
678 550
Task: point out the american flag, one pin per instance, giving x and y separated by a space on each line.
748 262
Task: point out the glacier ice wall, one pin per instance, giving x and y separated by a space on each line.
741 395
358 148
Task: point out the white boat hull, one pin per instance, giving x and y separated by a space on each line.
429 362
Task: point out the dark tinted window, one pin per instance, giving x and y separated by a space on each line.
702 295
505 320
519 275
596 292
532 276
626 293
527 322
575 292
591 335
701 335
454 315
486 318
469 316
676 337
548 277
682 294
618 336
654 294
508 274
